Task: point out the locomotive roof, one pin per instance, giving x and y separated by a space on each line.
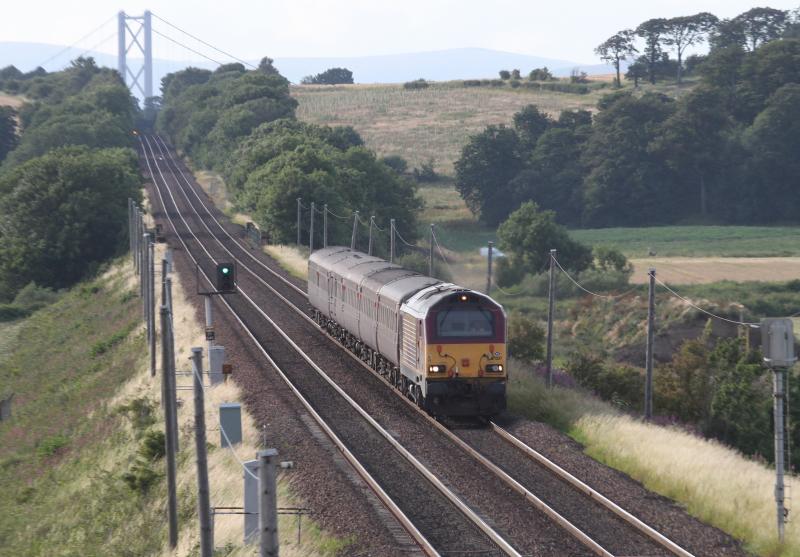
421 302
393 281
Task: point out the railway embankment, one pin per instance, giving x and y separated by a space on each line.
81 456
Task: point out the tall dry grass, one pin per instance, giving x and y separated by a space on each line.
715 483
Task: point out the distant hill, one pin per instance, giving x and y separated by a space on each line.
440 65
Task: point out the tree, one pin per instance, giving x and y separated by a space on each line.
528 235
515 74
693 143
505 75
540 74
266 66
617 48
63 214
331 76
530 123
761 25
639 70
652 32
8 130
772 142
683 32
488 163
625 183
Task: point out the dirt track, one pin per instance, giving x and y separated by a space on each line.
700 270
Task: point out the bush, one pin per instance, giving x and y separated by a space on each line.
525 338
50 445
426 172
619 384
33 297
416 84
505 75
471 83
540 74
396 163
515 74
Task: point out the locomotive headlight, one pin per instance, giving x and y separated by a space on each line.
437 368
494 367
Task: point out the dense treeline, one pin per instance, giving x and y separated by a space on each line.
66 179
242 124
723 152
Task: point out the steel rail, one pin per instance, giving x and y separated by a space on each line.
657 537
595 495
392 507
216 221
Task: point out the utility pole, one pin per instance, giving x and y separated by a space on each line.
145 275
325 226
311 229
164 282
430 254
203 494
651 327
391 241
355 230
299 205
151 306
168 403
778 395
371 226
551 304
489 269
267 503
130 225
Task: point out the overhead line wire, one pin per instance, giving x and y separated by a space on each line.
698 308
576 283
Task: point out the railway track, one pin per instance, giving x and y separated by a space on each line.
531 487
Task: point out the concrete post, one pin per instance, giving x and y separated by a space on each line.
651 325
311 229
325 226
551 305
430 253
371 226
151 309
298 221
203 492
391 241
168 404
489 269
145 276
355 230
268 503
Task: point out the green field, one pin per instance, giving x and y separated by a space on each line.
698 241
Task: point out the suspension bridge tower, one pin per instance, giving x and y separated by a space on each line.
137 33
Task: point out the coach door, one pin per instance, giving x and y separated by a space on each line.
331 296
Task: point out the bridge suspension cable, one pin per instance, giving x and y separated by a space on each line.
200 41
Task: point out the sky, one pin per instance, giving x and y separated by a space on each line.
250 29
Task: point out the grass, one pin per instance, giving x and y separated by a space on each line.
714 483
78 469
420 124
698 241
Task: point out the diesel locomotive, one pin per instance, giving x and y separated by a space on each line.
442 345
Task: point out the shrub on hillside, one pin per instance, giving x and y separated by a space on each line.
416 84
525 338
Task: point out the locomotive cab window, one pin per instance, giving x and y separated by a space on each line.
470 322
